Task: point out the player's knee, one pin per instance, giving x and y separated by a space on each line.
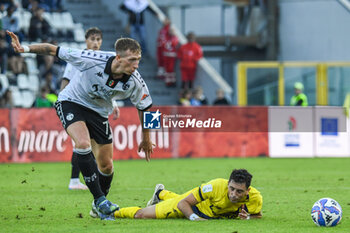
140 214
82 144
107 168
105 165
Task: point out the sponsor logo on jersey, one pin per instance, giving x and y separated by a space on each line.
151 120
144 96
99 74
126 86
70 116
207 188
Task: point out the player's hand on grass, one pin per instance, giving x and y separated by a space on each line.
147 148
116 113
15 42
244 214
200 219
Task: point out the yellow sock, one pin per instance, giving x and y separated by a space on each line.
165 195
128 212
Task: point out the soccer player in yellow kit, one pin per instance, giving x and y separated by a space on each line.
219 198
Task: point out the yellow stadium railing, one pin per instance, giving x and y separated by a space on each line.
346 105
321 78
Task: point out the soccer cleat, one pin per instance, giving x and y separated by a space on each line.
105 207
93 211
107 217
154 200
78 186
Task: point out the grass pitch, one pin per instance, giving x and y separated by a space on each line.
35 197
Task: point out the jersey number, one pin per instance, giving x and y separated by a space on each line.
107 126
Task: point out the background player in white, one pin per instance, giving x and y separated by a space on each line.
83 106
93 41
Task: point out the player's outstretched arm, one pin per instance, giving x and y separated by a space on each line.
42 49
146 144
185 206
258 215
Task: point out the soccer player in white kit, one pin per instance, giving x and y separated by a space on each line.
93 41
84 105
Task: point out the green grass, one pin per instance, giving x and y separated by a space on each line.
35 197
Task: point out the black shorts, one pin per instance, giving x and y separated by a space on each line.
98 126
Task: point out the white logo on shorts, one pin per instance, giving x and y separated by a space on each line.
70 116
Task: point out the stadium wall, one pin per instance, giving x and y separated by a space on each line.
32 135
36 135
313 30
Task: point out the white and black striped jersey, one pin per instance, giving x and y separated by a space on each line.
95 88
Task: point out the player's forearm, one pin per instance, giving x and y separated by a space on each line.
146 135
185 208
43 49
257 216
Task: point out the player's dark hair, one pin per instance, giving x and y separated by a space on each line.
124 44
241 176
93 31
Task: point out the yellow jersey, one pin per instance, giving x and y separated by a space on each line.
213 201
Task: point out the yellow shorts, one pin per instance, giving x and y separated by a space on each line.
168 208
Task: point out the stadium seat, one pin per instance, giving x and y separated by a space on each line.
68 20
25 21
79 34
57 21
4 81
31 65
16 96
34 83
23 81
28 99
49 18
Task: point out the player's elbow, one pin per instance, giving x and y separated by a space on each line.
181 205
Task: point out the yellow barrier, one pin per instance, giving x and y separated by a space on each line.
321 84
346 105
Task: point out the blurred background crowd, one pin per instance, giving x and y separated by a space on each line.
191 51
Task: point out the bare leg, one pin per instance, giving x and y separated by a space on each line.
148 212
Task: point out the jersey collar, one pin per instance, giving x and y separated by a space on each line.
108 70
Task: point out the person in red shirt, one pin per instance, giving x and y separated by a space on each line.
162 35
169 57
189 55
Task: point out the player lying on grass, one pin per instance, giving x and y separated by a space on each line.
219 198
